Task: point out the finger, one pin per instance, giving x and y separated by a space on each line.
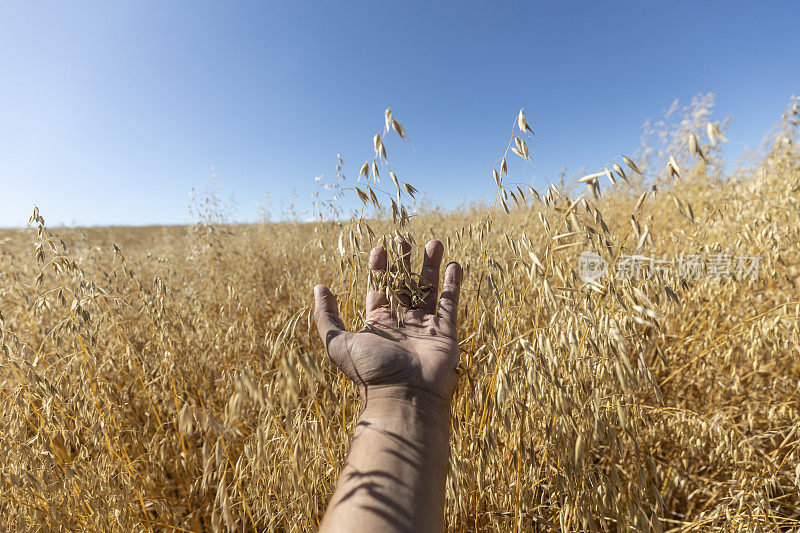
376 293
405 253
403 265
329 324
430 274
448 302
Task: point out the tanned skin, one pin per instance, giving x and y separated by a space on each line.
394 477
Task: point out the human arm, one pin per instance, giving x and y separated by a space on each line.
394 476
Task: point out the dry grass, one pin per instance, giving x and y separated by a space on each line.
159 379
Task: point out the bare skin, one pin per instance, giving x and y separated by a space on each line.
394 476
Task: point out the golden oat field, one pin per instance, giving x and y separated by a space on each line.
171 378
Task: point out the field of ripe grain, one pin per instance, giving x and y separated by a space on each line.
171 379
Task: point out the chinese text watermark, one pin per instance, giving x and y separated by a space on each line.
592 266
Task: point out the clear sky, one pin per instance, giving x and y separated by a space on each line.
111 111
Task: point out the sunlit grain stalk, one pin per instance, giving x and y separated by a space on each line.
171 379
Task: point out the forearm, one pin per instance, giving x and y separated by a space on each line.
394 476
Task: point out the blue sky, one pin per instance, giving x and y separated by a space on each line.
111 111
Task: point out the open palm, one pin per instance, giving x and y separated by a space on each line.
417 352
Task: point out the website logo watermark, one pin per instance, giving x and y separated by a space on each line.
592 267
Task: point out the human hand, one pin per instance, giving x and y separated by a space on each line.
404 363
411 360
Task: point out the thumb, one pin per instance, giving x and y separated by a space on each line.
329 324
